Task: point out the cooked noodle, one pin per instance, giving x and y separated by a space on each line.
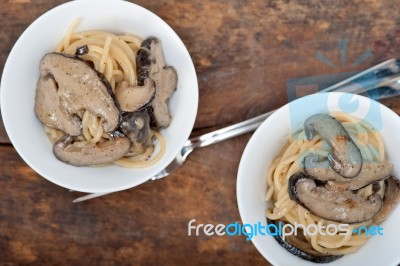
115 57
290 161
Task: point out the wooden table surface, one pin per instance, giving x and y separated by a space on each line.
244 52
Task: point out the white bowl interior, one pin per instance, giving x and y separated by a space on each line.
21 73
267 142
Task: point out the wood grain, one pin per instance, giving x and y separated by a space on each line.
244 52
147 225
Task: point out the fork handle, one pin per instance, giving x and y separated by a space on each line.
229 132
344 86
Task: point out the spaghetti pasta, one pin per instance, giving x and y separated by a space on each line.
290 161
114 56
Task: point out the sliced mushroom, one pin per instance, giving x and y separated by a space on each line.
370 172
332 202
376 186
136 126
49 110
390 200
79 88
144 58
299 246
91 153
134 98
150 63
82 50
345 158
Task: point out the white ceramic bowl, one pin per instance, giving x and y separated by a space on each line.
267 142
21 73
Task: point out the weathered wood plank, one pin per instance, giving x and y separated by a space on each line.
244 52
147 225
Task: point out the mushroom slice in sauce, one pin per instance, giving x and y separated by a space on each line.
136 126
150 63
82 50
390 200
345 158
80 88
49 110
91 153
332 202
299 246
370 172
134 98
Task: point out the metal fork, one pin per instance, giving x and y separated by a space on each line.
387 84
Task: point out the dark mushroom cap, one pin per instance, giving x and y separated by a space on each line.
51 111
134 98
390 200
136 126
370 172
82 50
91 153
150 64
345 158
73 87
332 202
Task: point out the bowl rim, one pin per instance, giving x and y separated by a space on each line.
240 193
121 4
